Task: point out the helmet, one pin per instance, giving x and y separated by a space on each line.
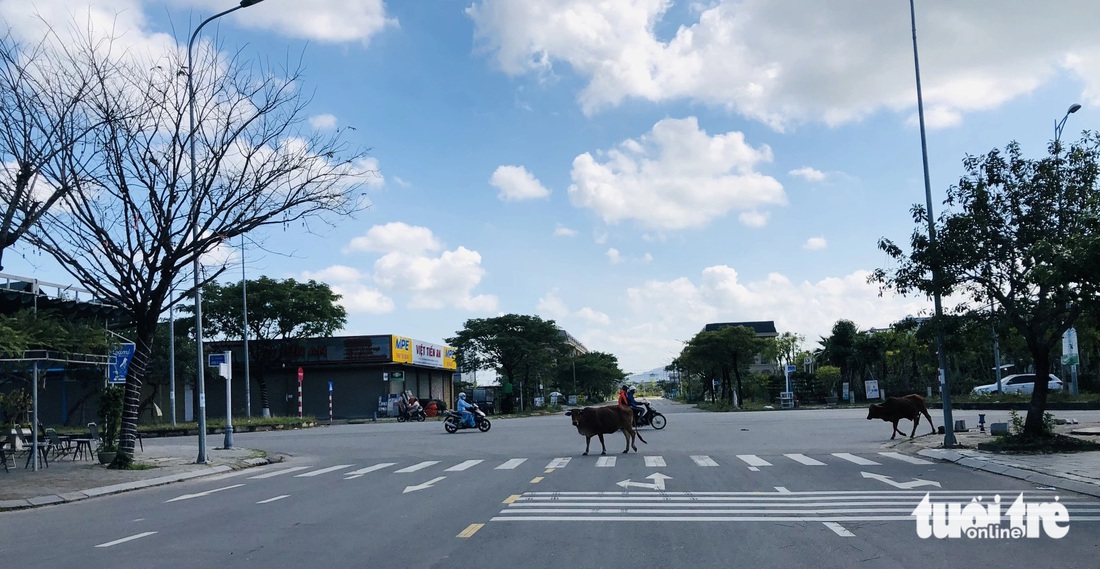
461 395
631 389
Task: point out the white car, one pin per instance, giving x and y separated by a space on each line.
1023 383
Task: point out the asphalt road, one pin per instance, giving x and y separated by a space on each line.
813 488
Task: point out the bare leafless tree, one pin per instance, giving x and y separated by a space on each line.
125 228
42 126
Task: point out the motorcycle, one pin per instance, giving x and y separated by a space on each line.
453 421
651 417
411 412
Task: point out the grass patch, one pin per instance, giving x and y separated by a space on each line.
1047 444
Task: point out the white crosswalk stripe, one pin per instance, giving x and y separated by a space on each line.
323 471
655 461
418 466
279 472
753 460
369 469
801 458
606 461
558 463
703 460
464 465
906 458
856 459
511 464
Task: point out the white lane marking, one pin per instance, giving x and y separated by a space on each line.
905 458
463 465
804 459
856 459
753 460
655 461
278 472
782 490
275 499
558 463
362 471
606 461
703 460
417 466
839 529
754 469
201 494
125 539
650 518
324 470
511 464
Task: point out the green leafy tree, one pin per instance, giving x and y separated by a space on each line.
839 348
507 344
598 375
280 314
1022 234
727 352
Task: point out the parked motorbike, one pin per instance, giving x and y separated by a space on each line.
651 417
411 412
453 421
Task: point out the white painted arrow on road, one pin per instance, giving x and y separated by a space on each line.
427 484
903 485
658 482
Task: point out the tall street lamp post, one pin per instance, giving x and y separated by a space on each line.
200 367
244 333
945 386
1069 337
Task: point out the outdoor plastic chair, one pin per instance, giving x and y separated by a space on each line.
60 448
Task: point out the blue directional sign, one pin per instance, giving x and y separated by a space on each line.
215 359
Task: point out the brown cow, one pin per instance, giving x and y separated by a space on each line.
604 420
895 409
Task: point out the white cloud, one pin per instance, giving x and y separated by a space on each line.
400 182
552 306
395 237
662 315
809 174
594 317
815 243
516 183
563 231
356 296
754 218
329 21
436 282
323 122
614 256
763 58
674 177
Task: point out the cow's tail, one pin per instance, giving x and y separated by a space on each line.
638 434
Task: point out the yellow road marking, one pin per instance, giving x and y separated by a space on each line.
470 530
536 480
511 499
549 470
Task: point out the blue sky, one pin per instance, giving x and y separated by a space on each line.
632 169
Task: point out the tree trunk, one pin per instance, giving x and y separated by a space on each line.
265 402
1033 424
135 374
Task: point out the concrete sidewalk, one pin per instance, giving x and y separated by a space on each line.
1075 472
66 480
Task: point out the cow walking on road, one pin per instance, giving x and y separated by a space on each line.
895 409
600 421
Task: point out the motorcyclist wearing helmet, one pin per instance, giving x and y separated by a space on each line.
464 410
639 410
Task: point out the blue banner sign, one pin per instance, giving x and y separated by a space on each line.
120 362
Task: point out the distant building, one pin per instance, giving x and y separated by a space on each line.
763 329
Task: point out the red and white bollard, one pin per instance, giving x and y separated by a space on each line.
301 375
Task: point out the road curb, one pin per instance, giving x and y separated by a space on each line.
50 499
1032 476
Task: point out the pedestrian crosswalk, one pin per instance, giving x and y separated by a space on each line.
753 462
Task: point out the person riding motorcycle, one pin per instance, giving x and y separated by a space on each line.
463 409
623 401
639 410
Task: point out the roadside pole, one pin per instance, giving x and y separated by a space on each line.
301 376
